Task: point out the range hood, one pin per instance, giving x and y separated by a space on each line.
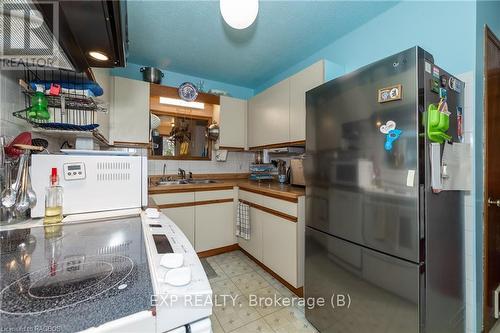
85 26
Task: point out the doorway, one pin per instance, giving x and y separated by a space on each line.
492 176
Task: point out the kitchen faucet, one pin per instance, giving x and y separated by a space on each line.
164 176
182 173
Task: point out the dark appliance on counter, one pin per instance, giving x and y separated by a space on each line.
157 142
377 236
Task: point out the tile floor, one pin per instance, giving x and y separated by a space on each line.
239 277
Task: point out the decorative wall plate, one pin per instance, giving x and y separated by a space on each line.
188 91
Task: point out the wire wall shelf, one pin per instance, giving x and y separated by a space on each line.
70 98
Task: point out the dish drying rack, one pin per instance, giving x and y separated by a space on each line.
70 111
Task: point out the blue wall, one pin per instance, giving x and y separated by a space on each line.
488 13
173 79
405 25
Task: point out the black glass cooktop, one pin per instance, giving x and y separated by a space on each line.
72 277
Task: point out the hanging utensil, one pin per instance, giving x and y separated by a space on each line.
23 201
9 195
31 193
213 131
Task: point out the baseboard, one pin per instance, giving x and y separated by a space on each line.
219 250
297 291
213 252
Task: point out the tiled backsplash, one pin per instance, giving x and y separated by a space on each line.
236 162
11 99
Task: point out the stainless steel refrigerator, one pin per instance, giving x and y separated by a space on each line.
381 246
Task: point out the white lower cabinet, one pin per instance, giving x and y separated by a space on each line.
183 217
207 218
214 226
276 241
279 246
254 244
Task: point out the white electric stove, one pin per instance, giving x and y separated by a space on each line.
100 271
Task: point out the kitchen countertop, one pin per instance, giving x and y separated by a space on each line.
272 189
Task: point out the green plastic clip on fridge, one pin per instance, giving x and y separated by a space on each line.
438 122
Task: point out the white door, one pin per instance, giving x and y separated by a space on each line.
214 226
279 247
183 217
130 111
300 83
233 122
269 114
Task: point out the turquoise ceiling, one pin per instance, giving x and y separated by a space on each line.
191 37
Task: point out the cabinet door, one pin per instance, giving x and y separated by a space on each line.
214 226
269 114
233 122
183 217
130 111
279 247
300 83
254 244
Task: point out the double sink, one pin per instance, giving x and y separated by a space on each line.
185 182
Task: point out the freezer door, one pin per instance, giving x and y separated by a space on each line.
357 188
337 270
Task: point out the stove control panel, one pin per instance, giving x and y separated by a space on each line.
74 171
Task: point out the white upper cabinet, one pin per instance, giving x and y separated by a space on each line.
269 114
300 83
233 123
278 114
104 79
129 118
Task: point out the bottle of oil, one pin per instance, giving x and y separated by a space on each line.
53 200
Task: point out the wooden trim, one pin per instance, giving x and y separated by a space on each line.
219 250
182 115
210 202
166 91
280 145
225 176
232 148
124 144
195 203
268 194
297 291
270 211
208 189
187 157
176 205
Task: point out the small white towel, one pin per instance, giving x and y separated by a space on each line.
243 221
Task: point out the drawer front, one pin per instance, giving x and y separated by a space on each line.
173 198
213 195
286 207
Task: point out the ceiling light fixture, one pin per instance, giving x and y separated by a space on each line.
180 102
239 14
98 55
